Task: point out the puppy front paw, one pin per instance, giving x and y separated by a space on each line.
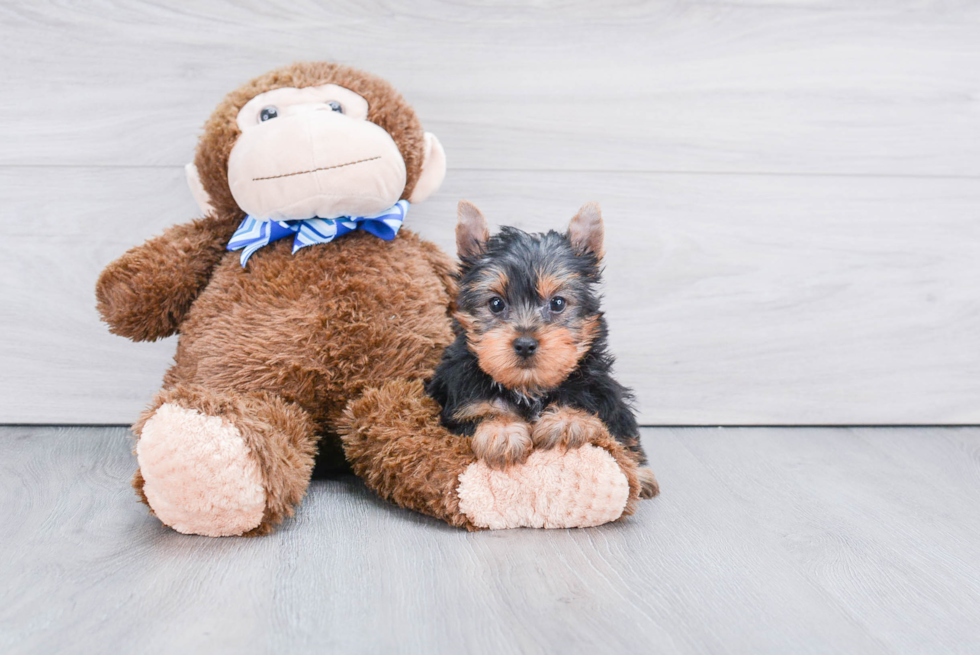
566 427
501 442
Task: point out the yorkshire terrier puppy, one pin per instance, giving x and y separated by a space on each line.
530 367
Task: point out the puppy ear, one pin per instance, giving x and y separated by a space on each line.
433 169
586 231
471 230
197 190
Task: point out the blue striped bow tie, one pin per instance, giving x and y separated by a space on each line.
253 234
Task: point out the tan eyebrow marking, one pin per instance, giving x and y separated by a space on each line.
496 284
549 283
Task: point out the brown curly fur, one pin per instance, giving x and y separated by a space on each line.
318 326
394 441
146 294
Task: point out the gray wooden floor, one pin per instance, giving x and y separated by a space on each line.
786 540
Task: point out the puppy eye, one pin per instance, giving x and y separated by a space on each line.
268 113
558 304
496 305
333 104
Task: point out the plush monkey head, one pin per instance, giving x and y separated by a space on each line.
313 140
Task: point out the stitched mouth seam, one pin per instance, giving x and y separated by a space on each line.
314 170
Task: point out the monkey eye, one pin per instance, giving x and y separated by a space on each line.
333 104
268 113
558 304
496 305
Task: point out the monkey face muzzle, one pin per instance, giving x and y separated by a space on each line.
316 163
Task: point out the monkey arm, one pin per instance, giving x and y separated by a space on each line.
145 294
394 442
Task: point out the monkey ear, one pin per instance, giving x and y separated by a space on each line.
586 231
433 169
471 230
197 189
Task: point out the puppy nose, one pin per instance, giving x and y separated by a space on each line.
525 346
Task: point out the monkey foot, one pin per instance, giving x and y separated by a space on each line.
556 488
199 475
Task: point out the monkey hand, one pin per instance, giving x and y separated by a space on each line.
557 488
395 427
145 294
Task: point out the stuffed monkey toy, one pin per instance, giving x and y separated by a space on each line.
307 316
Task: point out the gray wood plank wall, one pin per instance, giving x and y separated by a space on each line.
792 190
